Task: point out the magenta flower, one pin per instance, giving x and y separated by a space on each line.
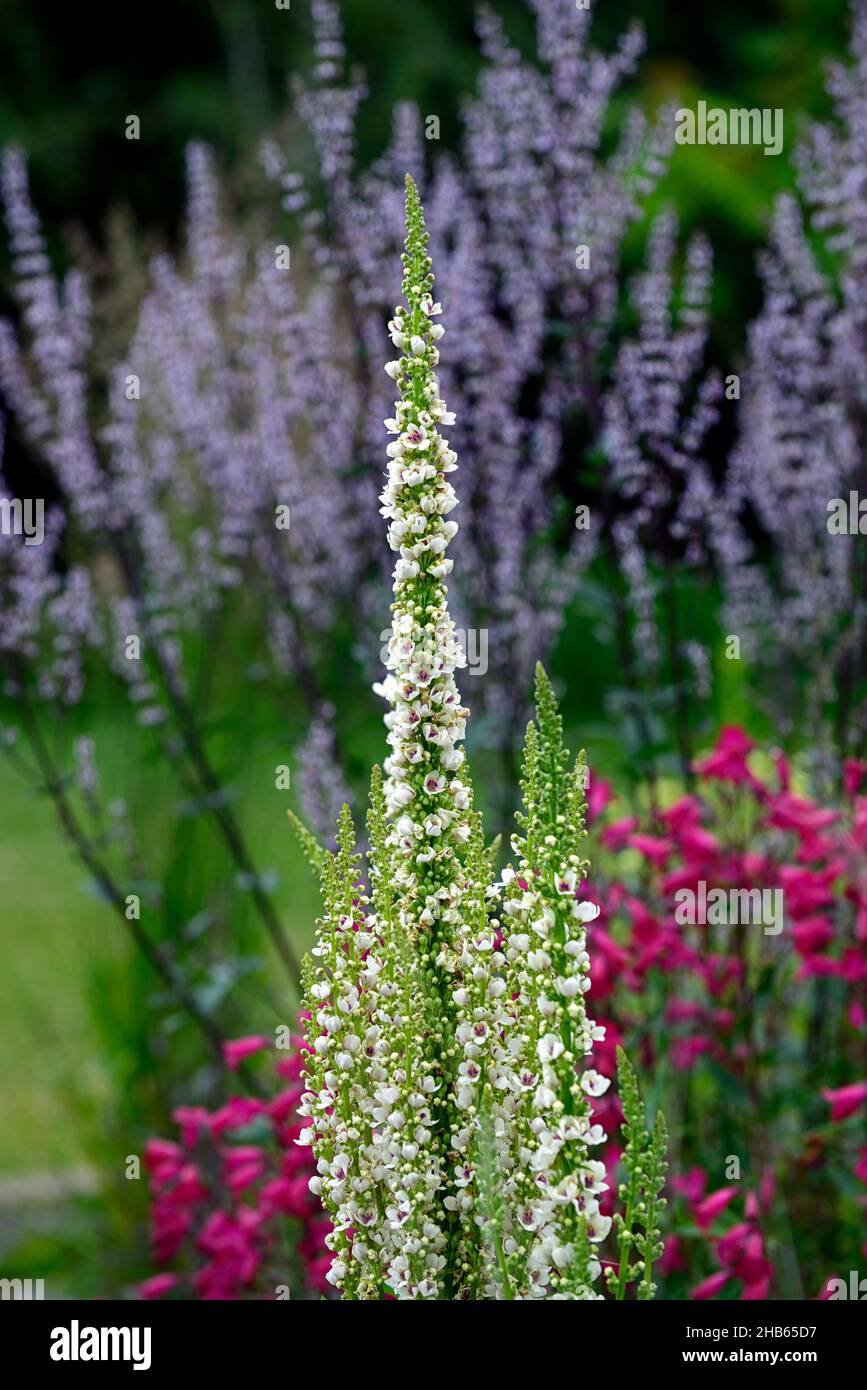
710 1287
845 1101
158 1285
854 772
226 1233
707 1211
728 761
235 1052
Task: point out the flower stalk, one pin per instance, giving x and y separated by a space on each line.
448 1096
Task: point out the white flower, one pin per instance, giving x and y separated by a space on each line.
586 912
414 438
593 1083
549 1047
538 960
598 1227
568 987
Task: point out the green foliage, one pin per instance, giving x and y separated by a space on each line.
310 846
552 790
645 1163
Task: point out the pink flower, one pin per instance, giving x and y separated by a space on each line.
757 1292
614 836
691 1184
858 1015
845 1101
683 815
170 1229
811 935
685 1051
711 1286
189 1188
728 760
225 1232
192 1119
684 1011
158 1284
243 1166
797 813
235 1052
290 1065
854 772
599 796
291 1196
730 1246
235 1114
784 771
751 1266
672 1258
654 849
163 1161
285 1104
707 1211
162 1151
696 843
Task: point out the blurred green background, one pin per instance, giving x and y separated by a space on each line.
218 72
78 1084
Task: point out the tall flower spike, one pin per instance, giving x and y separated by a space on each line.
557 1184
426 722
448 1095
428 800
384 1138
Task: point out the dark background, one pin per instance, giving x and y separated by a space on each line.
218 72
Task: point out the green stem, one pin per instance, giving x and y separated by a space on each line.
625 1241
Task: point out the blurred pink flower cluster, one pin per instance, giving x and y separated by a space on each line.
755 1038
755 1043
231 1212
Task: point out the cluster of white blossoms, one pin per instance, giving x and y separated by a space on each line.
557 1184
379 1117
447 1093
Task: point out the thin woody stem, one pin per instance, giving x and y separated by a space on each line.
210 783
113 893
